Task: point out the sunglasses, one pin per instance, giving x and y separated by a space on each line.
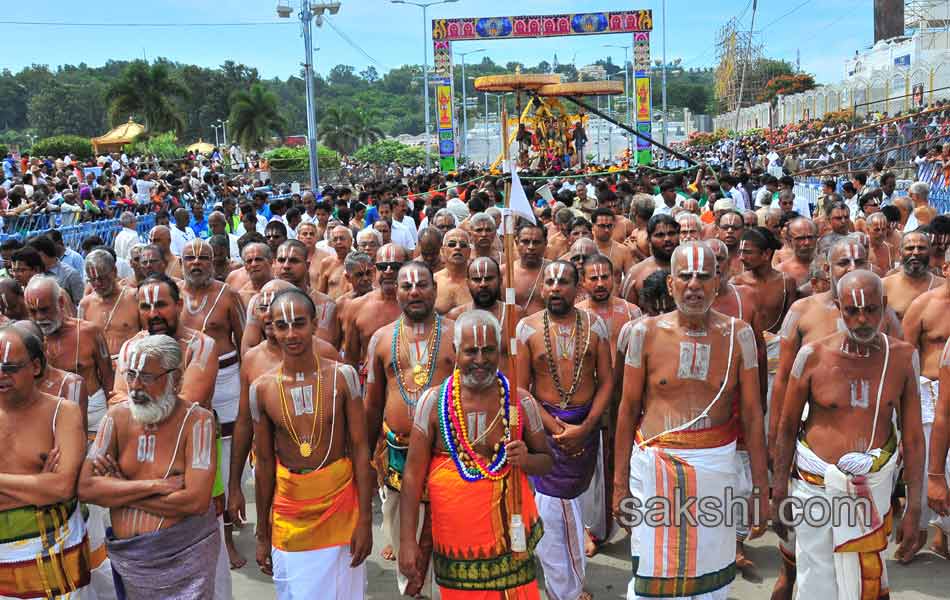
146 378
388 266
11 368
454 244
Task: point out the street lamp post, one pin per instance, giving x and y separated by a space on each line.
465 103
309 11
214 126
626 82
425 67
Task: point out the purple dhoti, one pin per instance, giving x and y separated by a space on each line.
177 562
571 474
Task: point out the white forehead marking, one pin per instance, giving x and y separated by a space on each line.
600 270
481 268
560 270
743 245
852 252
283 311
93 272
293 317
390 254
6 352
855 295
413 277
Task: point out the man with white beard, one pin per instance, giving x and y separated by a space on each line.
166 540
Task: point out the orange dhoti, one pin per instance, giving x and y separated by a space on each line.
472 555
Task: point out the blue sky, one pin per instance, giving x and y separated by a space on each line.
824 31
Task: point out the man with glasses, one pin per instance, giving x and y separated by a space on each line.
803 235
604 222
49 555
451 281
729 227
112 308
368 241
130 467
275 234
375 309
532 245
663 233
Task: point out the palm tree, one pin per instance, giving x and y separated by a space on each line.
255 117
344 129
150 92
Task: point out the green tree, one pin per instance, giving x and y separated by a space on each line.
149 92
255 117
60 109
164 146
345 129
61 145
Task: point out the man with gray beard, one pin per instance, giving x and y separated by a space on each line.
158 518
914 277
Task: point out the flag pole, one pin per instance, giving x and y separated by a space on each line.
509 334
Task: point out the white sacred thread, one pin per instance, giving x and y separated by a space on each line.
201 434
860 393
146 448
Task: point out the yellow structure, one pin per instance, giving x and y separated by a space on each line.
119 136
201 147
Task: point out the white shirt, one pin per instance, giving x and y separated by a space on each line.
409 224
124 240
180 238
402 235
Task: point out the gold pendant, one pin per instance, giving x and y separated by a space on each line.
305 449
418 375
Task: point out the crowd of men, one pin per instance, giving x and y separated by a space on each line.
353 349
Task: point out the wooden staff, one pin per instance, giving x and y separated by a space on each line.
510 312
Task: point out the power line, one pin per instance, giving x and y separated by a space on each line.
353 44
141 25
773 22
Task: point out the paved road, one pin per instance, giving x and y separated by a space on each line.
927 578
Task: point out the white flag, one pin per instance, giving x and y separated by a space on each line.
519 200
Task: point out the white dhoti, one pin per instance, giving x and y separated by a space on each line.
929 391
667 559
773 344
561 549
227 396
324 573
100 568
391 531
594 500
96 409
844 523
743 490
222 571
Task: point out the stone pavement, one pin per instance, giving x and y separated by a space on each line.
928 578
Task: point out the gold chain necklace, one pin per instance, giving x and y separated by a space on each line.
305 448
578 358
420 376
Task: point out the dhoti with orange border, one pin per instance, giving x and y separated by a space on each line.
839 556
667 561
313 518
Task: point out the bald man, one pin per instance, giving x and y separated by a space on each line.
332 273
849 442
113 308
914 278
803 236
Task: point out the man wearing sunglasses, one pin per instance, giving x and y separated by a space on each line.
451 281
153 465
39 479
375 309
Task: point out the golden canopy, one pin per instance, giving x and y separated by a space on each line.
582 88
201 147
515 82
119 136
